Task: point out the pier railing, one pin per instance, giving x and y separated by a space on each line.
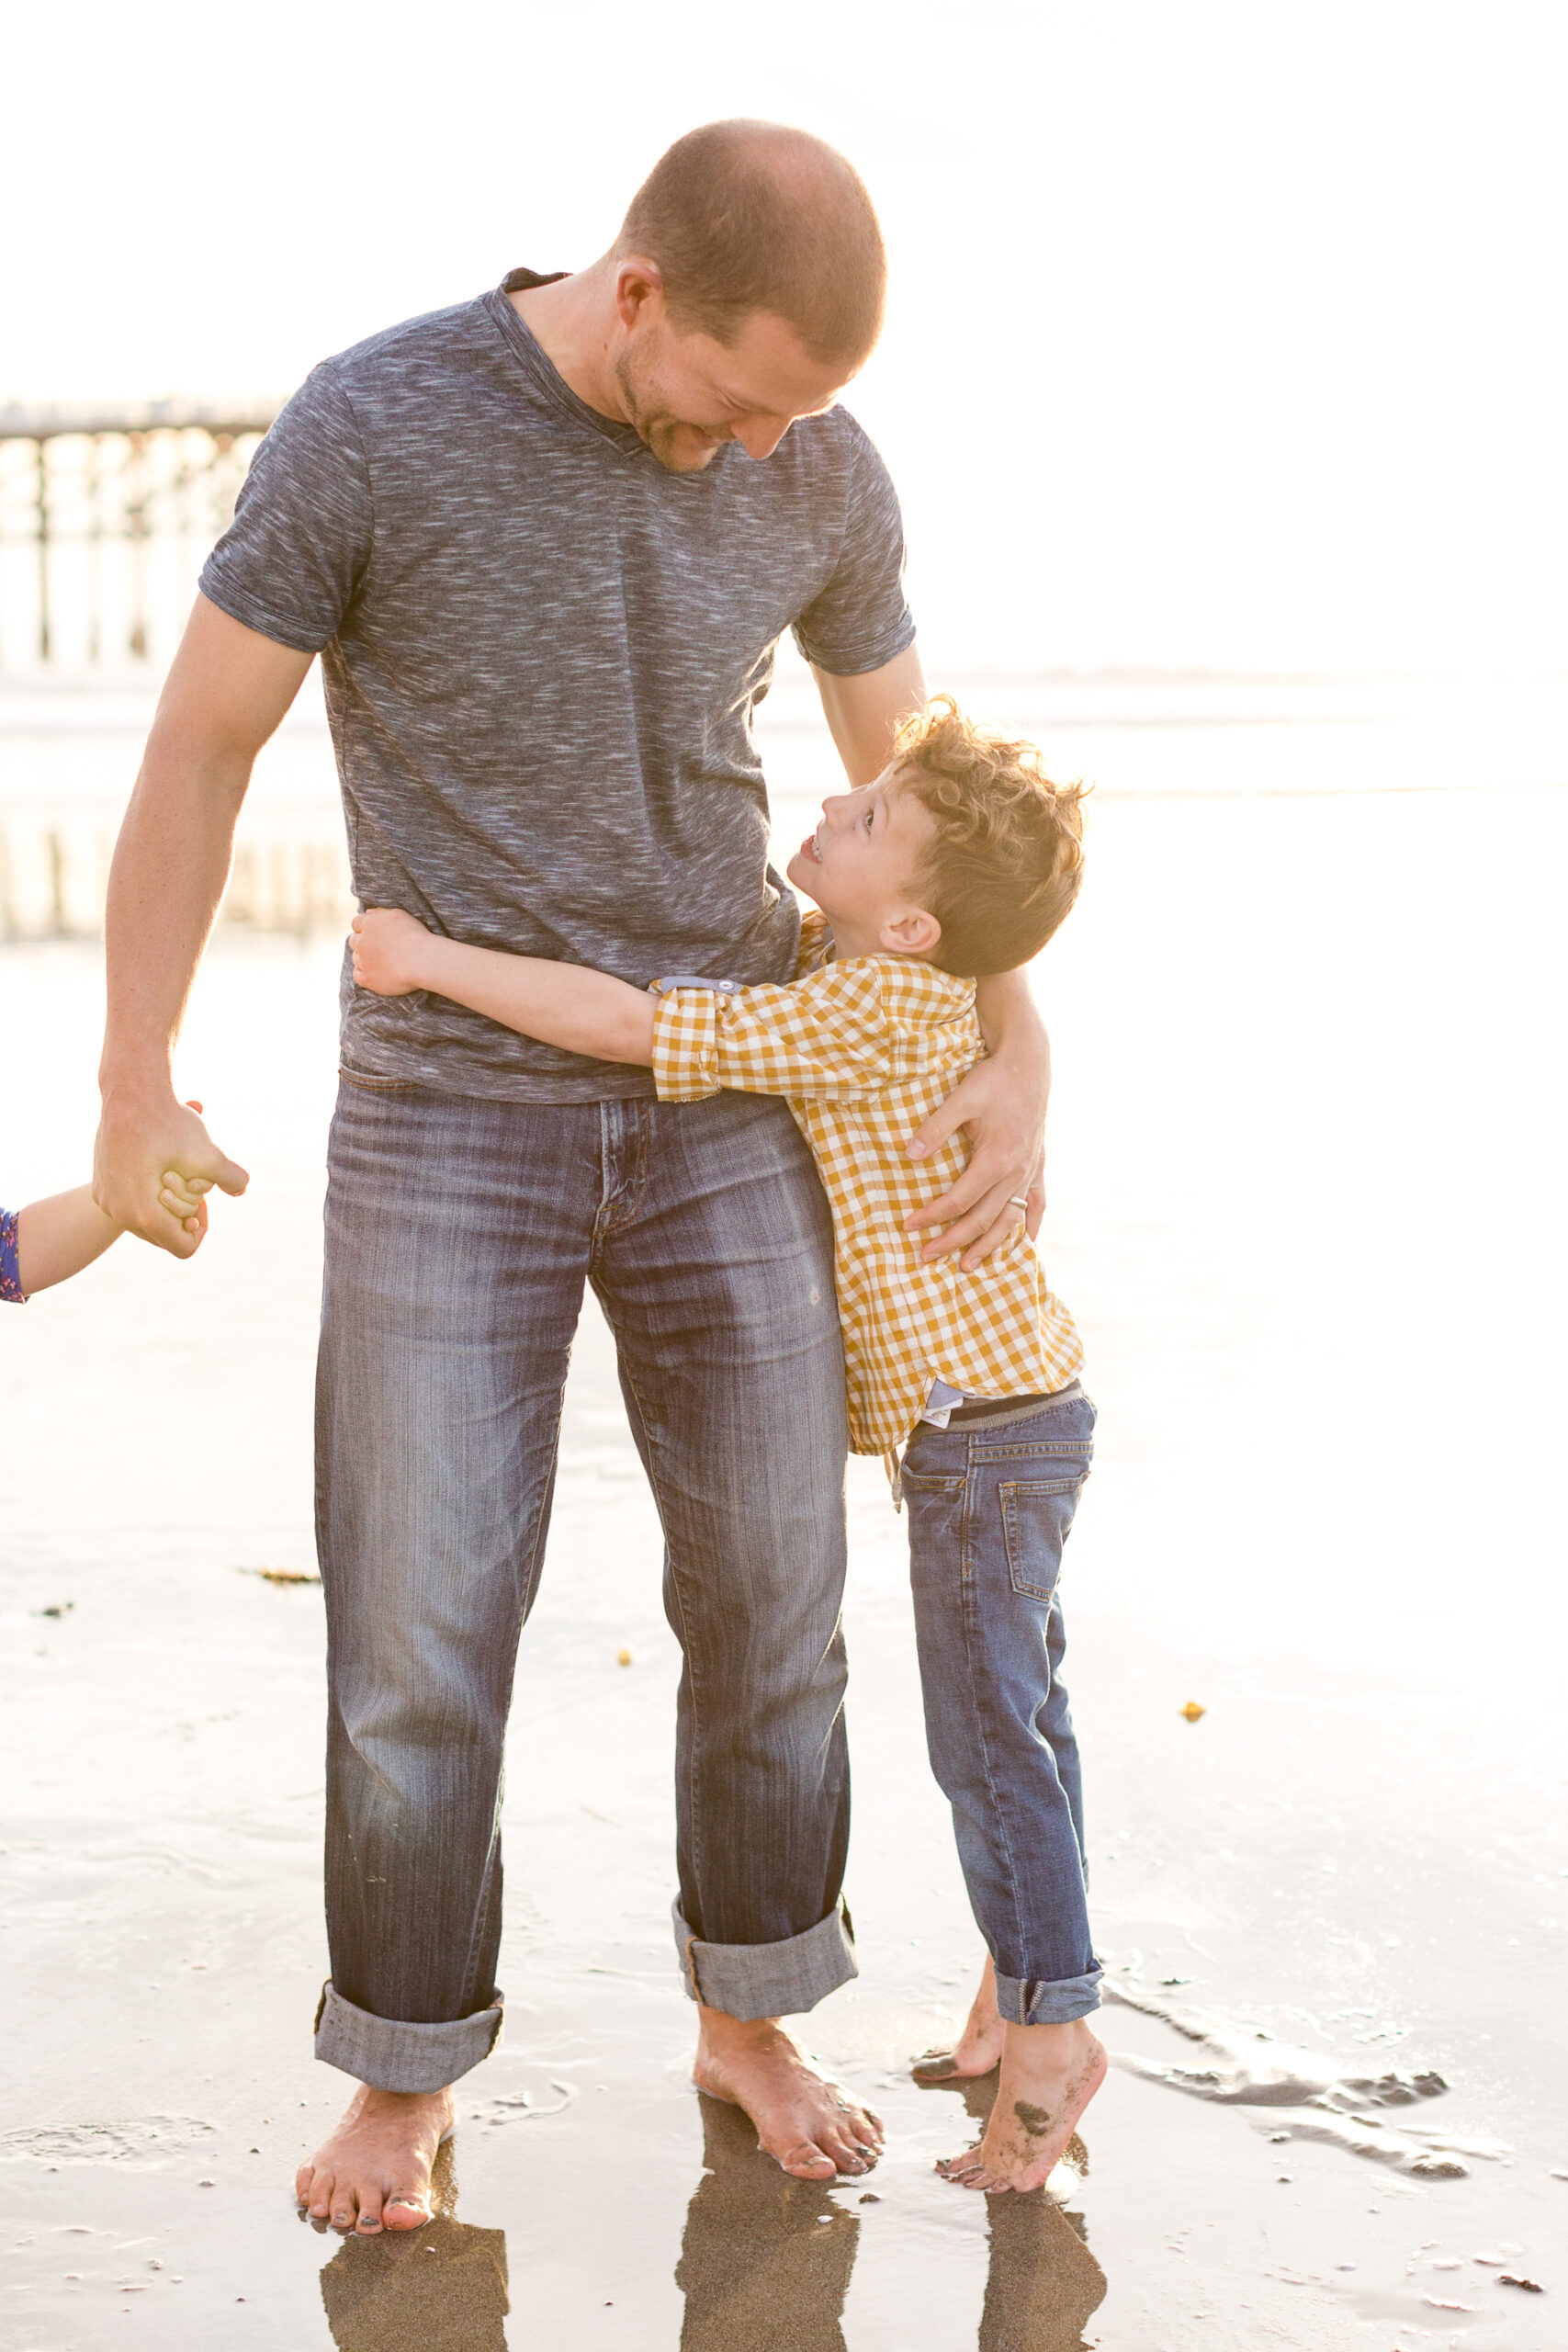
107 514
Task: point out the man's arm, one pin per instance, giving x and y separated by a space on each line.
225 692
1003 1102
862 713
561 1004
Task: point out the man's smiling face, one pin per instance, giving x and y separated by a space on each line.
865 864
687 393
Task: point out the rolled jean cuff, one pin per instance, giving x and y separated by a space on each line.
1025 2000
768 1980
393 2056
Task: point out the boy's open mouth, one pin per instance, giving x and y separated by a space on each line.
808 846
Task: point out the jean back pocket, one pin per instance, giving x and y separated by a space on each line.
1036 1515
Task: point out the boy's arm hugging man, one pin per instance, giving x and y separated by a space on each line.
824 1035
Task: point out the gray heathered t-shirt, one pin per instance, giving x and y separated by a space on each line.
541 654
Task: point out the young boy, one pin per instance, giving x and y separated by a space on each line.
960 859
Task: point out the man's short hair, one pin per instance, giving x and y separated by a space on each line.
1007 862
743 217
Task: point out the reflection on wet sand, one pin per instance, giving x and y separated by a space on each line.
1043 2285
766 2261
439 2289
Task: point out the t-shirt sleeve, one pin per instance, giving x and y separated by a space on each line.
860 620
11 1291
826 1038
291 562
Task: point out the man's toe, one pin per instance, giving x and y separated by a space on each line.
320 2195
850 2155
809 2161
406 2208
369 2221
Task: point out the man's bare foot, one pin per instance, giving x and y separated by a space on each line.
374 2173
978 2047
805 2121
1050 2073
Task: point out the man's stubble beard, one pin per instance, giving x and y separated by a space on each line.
655 427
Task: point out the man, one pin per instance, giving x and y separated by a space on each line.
533 542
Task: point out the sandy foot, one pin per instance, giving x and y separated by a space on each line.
806 2122
978 2047
374 2172
1049 2074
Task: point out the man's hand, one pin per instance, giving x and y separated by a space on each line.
388 951
153 1165
1001 1104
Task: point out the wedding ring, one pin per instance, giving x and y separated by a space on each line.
1018 1200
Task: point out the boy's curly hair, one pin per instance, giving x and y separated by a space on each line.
1007 859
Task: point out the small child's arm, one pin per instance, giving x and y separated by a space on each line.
57 1237
561 1004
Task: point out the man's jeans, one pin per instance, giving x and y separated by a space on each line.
460 1236
990 1503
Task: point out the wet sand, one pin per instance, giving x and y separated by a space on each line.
1300 1204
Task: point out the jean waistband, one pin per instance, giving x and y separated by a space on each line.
983 1422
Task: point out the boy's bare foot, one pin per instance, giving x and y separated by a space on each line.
1050 2073
979 2046
374 2172
805 2121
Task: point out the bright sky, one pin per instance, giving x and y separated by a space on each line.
1222 332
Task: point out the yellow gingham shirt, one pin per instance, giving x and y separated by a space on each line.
863 1052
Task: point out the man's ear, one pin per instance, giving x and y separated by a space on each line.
639 289
914 932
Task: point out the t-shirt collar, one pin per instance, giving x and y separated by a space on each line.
538 367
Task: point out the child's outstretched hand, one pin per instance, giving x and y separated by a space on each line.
388 948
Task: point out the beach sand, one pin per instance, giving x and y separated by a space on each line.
1301 1171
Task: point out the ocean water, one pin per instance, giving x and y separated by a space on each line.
1305 1173
1307 1130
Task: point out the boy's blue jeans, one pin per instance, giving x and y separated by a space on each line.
990 1503
460 1234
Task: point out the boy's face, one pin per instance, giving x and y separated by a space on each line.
861 866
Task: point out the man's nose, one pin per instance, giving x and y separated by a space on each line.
760 435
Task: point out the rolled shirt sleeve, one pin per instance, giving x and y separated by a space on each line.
826 1038
291 562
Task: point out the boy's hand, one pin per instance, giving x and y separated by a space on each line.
389 946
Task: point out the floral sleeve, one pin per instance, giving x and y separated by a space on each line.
10 1279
